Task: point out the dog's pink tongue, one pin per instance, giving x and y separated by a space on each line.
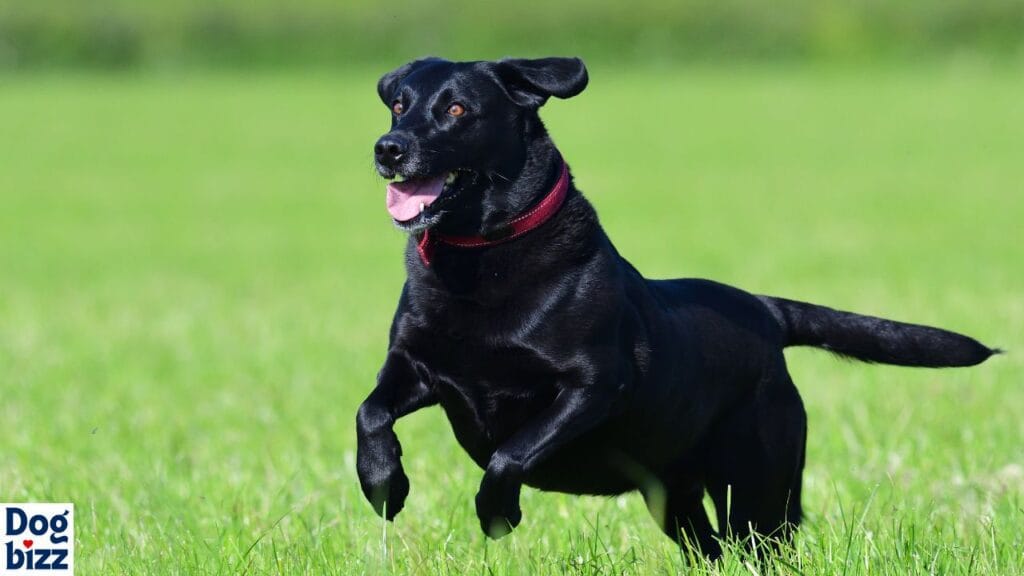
404 198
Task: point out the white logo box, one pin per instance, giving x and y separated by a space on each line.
37 538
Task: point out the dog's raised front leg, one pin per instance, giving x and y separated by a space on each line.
574 411
399 391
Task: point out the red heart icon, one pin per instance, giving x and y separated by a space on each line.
27 543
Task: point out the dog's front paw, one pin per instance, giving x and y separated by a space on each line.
497 503
497 519
385 485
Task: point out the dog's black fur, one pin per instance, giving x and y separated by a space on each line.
558 365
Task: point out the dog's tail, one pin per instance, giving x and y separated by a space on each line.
873 339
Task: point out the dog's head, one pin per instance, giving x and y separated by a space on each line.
461 132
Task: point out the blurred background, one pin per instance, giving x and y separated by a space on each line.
121 34
197 273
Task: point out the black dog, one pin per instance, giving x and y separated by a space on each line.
557 363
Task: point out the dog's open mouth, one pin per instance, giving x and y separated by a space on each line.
409 197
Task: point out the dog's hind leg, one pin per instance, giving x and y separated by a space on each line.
679 509
756 459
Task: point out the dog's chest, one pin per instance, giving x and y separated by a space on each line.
488 389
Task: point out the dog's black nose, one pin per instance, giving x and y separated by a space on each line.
389 149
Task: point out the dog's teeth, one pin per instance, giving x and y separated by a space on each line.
422 206
451 178
399 178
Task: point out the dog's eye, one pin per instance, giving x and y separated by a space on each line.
397 108
456 110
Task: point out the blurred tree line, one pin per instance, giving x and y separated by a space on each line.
137 33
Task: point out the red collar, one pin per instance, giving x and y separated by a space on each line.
525 222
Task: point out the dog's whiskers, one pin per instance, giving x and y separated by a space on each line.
499 175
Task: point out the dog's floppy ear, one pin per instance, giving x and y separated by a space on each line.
531 82
388 82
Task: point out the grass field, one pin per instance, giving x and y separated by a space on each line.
197 275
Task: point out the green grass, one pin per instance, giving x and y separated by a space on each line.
197 276
157 34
